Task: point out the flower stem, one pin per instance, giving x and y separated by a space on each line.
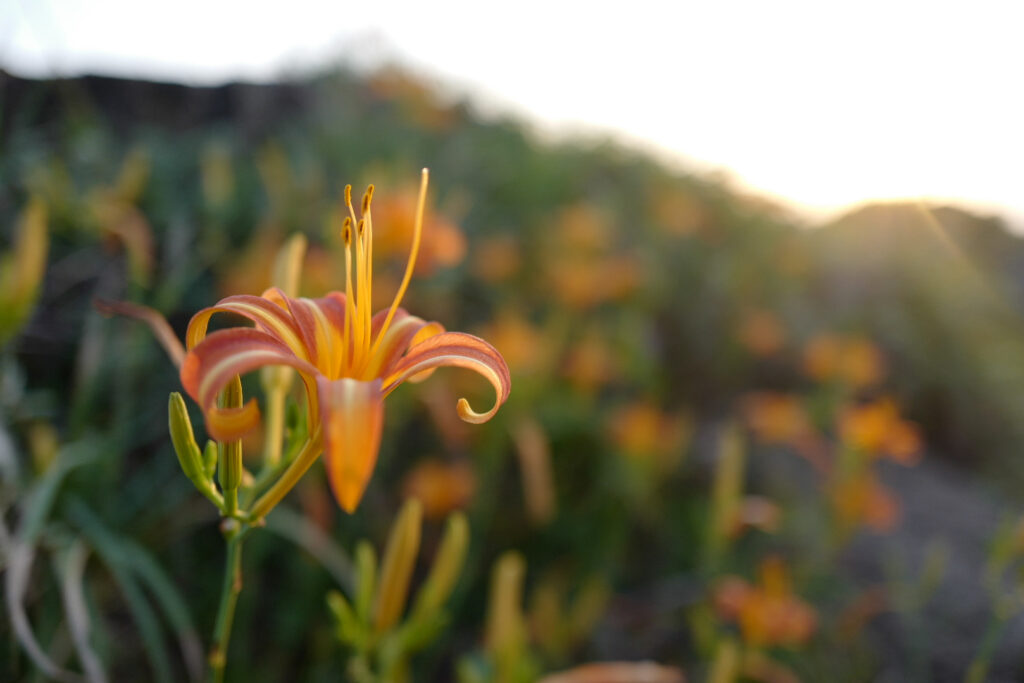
230 589
302 462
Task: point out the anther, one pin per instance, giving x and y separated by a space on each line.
367 198
348 195
361 228
346 231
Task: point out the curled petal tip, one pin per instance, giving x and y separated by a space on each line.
469 415
456 349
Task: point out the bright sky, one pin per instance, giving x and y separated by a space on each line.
824 104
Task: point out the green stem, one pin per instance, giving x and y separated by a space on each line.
230 589
302 462
231 503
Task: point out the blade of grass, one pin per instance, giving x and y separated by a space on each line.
171 602
20 551
72 573
303 533
107 547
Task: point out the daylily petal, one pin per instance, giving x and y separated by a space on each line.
268 316
209 366
404 331
352 416
456 349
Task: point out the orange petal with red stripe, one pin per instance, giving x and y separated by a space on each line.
268 316
404 331
216 360
456 349
352 417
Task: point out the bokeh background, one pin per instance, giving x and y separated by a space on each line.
756 271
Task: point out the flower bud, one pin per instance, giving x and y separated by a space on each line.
210 459
396 568
447 566
366 579
22 268
184 439
506 631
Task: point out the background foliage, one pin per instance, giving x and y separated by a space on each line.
734 439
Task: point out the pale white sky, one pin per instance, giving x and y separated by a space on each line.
825 104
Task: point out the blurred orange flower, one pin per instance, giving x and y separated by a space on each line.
777 418
521 343
618 672
861 499
497 258
761 332
856 361
250 268
641 430
441 487
768 613
418 101
587 270
876 429
677 213
590 363
757 512
443 243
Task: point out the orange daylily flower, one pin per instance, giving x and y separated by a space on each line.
856 361
348 358
761 332
441 487
877 429
768 614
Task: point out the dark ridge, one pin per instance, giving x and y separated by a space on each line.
126 104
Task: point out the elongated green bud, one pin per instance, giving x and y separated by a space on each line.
366 579
506 628
348 626
448 561
727 491
210 457
184 440
230 474
396 568
193 462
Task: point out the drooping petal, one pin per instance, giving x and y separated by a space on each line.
455 349
156 321
268 316
404 331
212 363
352 417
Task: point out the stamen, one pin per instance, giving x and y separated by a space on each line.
359 330
417 231
350 310
368 313
367 198
348 202
346 231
